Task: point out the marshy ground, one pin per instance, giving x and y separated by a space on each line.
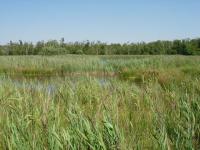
99 102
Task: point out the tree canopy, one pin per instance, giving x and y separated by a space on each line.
54 47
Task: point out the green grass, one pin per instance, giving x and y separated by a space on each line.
59 65
153 102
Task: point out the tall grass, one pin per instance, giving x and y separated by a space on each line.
153 106
64 65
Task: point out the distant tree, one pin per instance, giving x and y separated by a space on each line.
86 47
1 50
102 50
52 43
38 48
180 47
53 47
20 42
62 42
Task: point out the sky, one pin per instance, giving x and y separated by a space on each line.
105 20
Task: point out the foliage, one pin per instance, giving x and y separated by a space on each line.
53 47
152 103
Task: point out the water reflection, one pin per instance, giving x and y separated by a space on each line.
50 85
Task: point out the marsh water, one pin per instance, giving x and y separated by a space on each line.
50 85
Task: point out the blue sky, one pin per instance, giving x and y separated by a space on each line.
104 20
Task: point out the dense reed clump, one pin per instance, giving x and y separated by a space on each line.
152 103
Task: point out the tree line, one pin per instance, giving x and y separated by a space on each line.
54 47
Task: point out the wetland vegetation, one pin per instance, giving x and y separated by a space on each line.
99 102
